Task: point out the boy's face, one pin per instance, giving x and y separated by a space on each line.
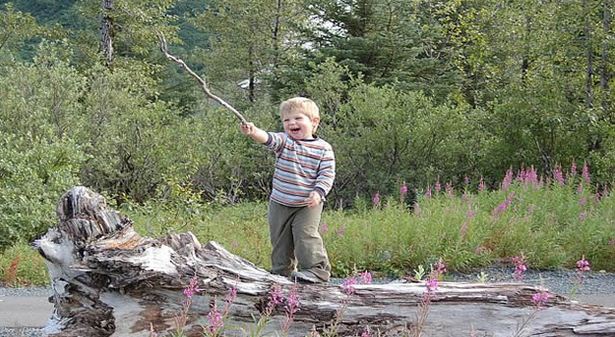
298 125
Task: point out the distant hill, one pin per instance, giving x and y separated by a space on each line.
62 12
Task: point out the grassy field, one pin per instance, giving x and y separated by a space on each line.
552 224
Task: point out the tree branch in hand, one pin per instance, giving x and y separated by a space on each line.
208 93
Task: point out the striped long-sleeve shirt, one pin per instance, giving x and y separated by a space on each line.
302 166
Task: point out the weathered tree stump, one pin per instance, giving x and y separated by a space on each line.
110 281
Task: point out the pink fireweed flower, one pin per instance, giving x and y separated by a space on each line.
481 184
431 284
365 277
585 174
573 169
440 267
507 181
340 231
583 265
558 175
292 302
449 189
366 332
192 288
582 216
501 208
521 175
290 308
520 267
324 228
215 321
438 187
376 199
582 201
275 297
403 190
428 192
348 285
531 177
540 299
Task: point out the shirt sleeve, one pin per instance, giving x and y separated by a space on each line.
326 172
276 141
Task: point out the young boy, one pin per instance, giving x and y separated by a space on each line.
303 176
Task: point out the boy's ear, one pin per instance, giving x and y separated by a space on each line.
315 121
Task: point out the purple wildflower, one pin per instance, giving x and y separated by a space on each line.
403 191
520 267
348 285
192 288
540 299
507 181
481 184
340 231
585 174
582 201
324 228
582 216
275 297
583 265
431 284
449 189
558 175
365 277
428 192
366 332
531 177
501 208
573 169
438 187
215 321
376 199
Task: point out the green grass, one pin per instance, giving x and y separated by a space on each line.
552 227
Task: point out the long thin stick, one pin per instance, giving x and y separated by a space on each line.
208 93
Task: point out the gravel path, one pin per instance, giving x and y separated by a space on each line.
558 281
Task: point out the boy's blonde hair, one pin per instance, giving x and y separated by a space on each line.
301 104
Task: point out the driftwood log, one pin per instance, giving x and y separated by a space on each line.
110 281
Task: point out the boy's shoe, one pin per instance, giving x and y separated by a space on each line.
304 277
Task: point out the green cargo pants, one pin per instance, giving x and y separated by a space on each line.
296 242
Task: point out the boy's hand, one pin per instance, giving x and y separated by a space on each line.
247 128
313 199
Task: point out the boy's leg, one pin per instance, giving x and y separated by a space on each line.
309 247
280 232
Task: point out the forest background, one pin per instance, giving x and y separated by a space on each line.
413 93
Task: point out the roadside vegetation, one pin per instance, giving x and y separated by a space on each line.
551 222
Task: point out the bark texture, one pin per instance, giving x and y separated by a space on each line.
110 281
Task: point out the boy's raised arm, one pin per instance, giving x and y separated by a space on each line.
257 134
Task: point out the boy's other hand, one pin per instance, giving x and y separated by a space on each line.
247 128
313 199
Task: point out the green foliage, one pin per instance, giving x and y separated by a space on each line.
27 265
38 158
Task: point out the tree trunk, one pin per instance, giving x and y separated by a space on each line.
110 281
589 79
605 76
106 32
